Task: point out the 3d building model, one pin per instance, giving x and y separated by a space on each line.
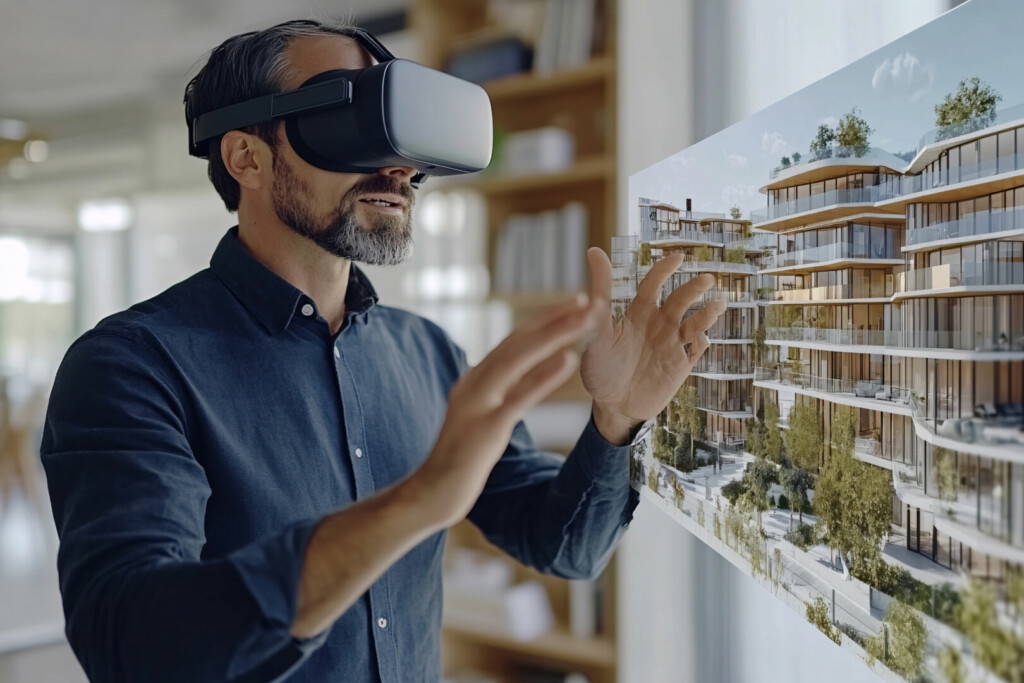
854 435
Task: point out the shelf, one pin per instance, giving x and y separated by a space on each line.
520 86
556 646
583 171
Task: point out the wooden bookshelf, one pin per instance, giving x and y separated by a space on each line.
581 100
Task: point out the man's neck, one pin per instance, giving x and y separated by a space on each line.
301 262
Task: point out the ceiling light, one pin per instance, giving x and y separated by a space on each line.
36 151
13 129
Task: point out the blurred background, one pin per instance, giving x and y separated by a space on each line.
101 207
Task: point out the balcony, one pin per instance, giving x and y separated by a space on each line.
729 296
724 369
948 276
965 228
872 390
953 175
858 195
934 339
824 293
716 267
828 252
994 429
937 135
701 236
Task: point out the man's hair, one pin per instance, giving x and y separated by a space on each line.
242 67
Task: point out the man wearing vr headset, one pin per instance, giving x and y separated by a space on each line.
252 473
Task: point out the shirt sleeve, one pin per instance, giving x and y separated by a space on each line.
561 516
141 603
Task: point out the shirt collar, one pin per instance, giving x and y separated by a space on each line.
269 297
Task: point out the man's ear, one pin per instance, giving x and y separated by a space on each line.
247 158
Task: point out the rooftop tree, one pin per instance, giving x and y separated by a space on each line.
971 107
797 483
821 145
735 213
853 133
773 447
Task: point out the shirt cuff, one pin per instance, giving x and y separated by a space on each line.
603 462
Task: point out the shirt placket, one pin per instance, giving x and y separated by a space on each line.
346 347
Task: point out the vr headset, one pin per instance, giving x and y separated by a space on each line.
394 113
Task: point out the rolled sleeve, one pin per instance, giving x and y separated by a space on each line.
141 602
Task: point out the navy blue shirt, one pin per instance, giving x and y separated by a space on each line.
193 442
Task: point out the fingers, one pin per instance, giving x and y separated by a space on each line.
536 384
679 301
600 287
702 320
528 346
648 290
697 347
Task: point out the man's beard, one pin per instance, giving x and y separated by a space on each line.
387 241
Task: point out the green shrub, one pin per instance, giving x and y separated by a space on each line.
817 614
783 503
733 490
802 537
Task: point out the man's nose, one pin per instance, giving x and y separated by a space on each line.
400 172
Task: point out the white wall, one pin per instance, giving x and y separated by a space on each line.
688 68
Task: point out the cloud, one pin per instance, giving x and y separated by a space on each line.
737 160
742 195
773 143
904 73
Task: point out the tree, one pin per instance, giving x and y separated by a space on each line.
821 145
784 162
817 614
950 663
971 107
760 347
733 490
803 438
772 433
755 438
797 482
652 479
678 492
853 503
796 157
644 256
844 429
996 644
703 253
735 213
760 476
853 133
901 643
736 255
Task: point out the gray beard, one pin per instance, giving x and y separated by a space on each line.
388 242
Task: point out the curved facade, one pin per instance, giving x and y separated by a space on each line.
917 320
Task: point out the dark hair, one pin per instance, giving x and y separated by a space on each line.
242 67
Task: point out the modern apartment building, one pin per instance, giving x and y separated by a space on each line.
899 290
726 248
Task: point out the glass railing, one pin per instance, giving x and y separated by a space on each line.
970 126
869 446
997 424
697 236
716 367
858 388
935 339
892 187
967 226
726 295
832 152
826 293
869 194
965 275
758 242
717 267
828 252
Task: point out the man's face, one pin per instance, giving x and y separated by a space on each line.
362 217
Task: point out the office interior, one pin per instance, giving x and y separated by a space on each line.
101 207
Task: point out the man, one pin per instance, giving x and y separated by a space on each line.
252 473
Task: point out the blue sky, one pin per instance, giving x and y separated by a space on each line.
895 87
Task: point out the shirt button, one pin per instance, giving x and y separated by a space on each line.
337 353
359 452
307 310
382 622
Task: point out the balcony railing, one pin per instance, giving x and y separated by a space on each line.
757 242
934 339
717 267
969 126
858 388
697 236
994 424
893 186
967 226
723 368
965 275
859 195
726 295
832 152
828 252
827 293
867 446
